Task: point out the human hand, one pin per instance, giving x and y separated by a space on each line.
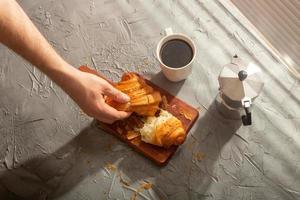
20 34
88 91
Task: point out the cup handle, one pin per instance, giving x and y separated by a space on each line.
168 31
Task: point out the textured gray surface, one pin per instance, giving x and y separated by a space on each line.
50 149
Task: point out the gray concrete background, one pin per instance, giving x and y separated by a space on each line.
50 149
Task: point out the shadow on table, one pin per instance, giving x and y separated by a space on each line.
172 87
190 173
52 176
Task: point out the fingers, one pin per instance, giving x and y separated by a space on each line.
109 115
115 94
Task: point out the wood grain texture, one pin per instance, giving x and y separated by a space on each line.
184 112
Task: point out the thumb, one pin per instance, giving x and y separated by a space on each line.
116 94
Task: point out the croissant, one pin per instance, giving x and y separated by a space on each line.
143 99
164 130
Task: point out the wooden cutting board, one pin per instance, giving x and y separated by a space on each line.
184 112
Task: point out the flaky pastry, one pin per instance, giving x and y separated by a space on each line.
143 99
164 130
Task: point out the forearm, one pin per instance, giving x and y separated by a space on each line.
88 91
20 34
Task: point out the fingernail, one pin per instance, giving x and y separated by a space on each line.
126 97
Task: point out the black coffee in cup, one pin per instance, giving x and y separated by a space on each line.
176 53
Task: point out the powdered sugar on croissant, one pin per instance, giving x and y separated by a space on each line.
164 130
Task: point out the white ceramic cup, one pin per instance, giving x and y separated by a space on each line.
175 74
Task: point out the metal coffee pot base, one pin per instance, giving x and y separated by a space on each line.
226 111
